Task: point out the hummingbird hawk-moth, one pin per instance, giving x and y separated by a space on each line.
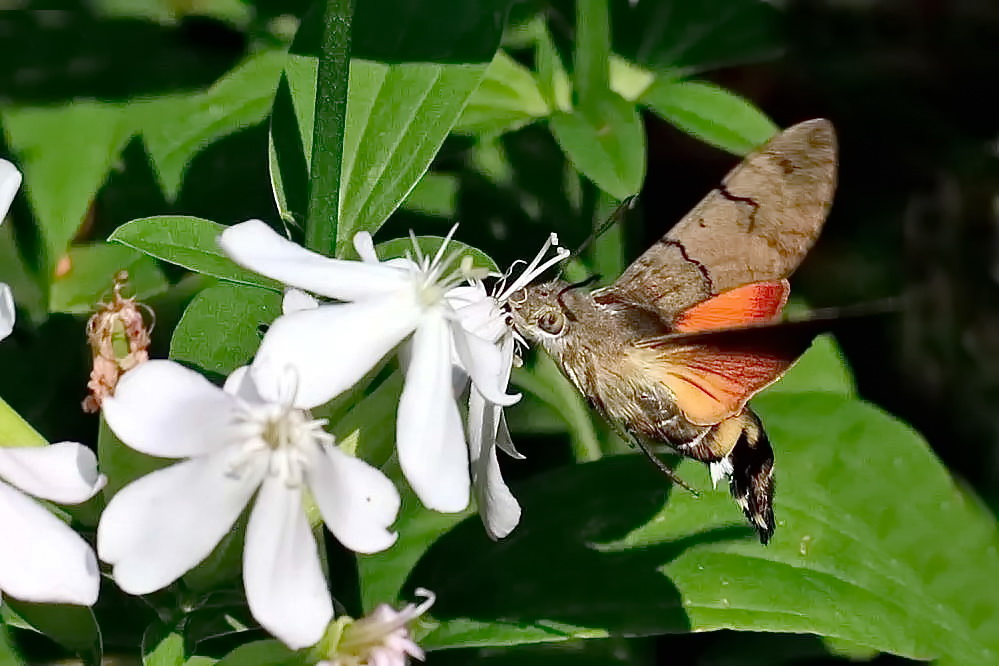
673 350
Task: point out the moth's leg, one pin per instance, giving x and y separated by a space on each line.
663 467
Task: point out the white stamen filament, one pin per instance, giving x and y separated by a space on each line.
433 278
371 630
533 270
284 434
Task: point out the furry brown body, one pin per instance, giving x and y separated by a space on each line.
599 349
672 351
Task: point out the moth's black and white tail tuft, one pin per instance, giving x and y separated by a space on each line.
752 476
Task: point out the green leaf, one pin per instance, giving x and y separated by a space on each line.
573 652
65 153
508 98
73 627
367 430
176 128
166 12
289 144
222 567
553 82
190 242
15 431
605 141
857 554
220 330
429 30
397 118
399 247
890 477
710 113
436 194
17 273
121 464
163 648
383 574
90 277
8 655
685 36
629 80
261 653
821 368
468 633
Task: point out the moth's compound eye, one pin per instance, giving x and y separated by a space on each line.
551 322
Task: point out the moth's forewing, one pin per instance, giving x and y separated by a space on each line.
756 226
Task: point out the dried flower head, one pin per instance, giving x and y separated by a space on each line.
119 341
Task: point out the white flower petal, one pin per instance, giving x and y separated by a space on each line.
8 314
478 312
10 180
502 434
240 384
504 441
41 558
466 294
295 300
332 347
487 364
256 246
65 472
429 436
284 581
365 247
161 526
164 409
358 503
498 508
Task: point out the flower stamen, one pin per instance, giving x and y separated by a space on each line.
283 431
533 270
379 638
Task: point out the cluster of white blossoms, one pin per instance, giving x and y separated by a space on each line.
254 440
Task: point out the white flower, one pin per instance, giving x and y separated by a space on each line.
379 639
41 558
335 345
484 317
10 180
237 443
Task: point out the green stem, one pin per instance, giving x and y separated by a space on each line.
591 59
331 115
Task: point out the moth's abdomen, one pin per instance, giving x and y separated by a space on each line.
736 449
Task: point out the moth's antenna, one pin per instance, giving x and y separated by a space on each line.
611 220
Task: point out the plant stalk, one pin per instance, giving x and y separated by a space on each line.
330 121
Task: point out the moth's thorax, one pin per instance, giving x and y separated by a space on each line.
561 318
589 341
556 314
